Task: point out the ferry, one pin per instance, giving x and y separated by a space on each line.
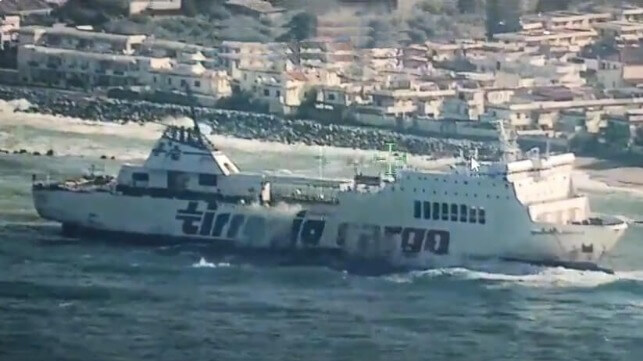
521 207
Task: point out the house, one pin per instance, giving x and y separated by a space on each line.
172 76
621 69
154 6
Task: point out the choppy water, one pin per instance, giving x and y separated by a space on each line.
62 299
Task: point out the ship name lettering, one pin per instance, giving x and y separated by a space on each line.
411 239
208 223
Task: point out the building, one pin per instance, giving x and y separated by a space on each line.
154 6
81 40
630 13
621 31
576 38
66 68
172 76
24 8
323 52
9 26
561 20
622 69
236 55
259 9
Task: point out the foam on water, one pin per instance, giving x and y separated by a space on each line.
524 275
203 263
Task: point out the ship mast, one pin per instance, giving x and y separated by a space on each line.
508 145
191 102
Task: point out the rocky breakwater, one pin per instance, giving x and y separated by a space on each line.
238 124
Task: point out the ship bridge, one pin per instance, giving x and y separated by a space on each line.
186 150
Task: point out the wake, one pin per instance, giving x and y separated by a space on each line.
506 275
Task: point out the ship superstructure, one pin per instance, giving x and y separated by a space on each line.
522 207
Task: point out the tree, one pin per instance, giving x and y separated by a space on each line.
467 6
552 5
189 8
300 27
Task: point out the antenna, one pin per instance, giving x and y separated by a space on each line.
322 161
191 103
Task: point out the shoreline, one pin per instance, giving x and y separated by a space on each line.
243 125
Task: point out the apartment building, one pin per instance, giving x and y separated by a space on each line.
81 40
560 20
66 68
621 31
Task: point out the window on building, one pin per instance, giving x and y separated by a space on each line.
277 93
417 209
154 80
140 177
331 97
473 215
183 83
169 81
464 209
427 210
454 213
266 92
436 211
209 180
197 83
445 211
482 216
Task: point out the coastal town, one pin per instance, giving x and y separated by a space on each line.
567 79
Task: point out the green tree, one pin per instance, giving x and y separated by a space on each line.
189 8
301 26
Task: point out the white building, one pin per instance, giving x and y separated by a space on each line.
154 6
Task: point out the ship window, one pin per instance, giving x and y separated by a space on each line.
463 213
445 211
454 213
482 216
140 177
427 210
207 180
436 211
417 209
473 215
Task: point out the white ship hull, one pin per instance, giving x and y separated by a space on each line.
369 229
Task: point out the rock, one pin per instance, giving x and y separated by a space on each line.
50 153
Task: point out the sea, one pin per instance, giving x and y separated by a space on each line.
89 299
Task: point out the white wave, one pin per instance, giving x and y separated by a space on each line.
538 277
203 263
